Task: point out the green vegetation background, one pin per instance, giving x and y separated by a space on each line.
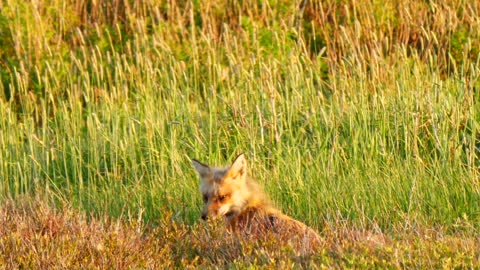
366 111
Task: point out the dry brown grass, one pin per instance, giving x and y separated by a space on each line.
34 235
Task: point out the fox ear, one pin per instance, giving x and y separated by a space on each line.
202 169
239 167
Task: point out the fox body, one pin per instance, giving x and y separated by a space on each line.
228 193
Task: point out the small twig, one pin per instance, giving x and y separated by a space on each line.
300 15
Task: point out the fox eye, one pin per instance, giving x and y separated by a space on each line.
205 198
222 198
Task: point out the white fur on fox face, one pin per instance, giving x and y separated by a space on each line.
224 209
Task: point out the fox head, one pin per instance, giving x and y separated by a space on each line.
224 190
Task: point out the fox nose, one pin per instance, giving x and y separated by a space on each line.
204 216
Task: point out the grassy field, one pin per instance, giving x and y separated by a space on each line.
360 118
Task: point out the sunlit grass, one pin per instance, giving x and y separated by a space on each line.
357 111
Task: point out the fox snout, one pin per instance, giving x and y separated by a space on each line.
226 211
209 212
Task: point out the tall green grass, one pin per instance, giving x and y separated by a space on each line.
342 114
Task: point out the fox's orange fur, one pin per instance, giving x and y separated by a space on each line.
229 194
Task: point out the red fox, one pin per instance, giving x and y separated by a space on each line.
229 194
